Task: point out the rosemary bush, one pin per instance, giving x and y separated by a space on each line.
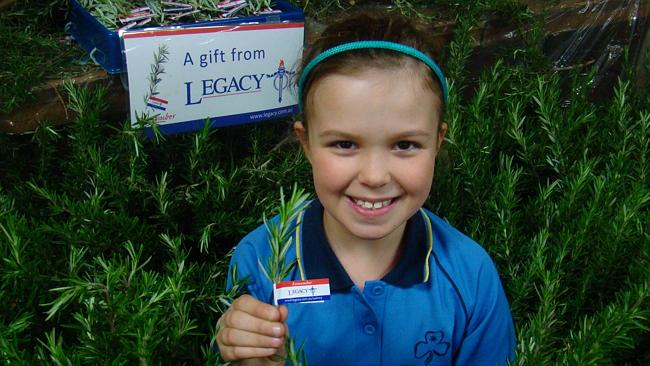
557 190
33 50
114 247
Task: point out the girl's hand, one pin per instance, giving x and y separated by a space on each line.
253 332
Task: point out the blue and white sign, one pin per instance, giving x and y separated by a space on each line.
228 74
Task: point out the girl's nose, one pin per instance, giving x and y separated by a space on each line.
374 170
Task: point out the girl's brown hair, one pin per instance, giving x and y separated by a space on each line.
371 25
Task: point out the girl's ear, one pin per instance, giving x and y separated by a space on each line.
301 134
442 131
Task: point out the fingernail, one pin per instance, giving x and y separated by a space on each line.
277 330
276 342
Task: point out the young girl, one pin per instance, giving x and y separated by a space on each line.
406 287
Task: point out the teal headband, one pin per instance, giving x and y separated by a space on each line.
410 51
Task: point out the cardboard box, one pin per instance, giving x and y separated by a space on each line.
230 71
104 47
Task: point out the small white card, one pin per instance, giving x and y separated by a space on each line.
307 291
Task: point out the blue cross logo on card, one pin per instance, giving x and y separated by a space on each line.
281 79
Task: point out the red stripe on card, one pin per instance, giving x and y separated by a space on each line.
320 281
213 29
158 100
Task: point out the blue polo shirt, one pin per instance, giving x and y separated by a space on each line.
442 304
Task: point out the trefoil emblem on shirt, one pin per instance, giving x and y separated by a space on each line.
433 345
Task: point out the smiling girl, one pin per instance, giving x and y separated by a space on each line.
406 287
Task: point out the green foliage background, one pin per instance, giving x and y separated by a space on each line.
114 246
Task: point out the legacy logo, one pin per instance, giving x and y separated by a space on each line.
234 85
224 86
281 79
302 291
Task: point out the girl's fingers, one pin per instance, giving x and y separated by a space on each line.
240 338
244 321
251 329
242 353
284 313
256 308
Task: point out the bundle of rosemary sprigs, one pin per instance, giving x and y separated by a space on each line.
127 14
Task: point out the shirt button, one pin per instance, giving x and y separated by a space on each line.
369 329
378 290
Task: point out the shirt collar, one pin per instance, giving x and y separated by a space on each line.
319 261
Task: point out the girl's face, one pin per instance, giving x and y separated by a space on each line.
372 141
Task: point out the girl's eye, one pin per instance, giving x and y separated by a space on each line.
344 145
406 145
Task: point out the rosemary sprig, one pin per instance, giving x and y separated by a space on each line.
157 69
277 268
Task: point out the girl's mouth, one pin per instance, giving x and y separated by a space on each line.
372 205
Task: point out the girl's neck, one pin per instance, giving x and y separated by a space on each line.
364 259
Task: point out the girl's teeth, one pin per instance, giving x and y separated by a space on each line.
372 205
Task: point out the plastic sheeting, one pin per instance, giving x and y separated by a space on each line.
594 35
